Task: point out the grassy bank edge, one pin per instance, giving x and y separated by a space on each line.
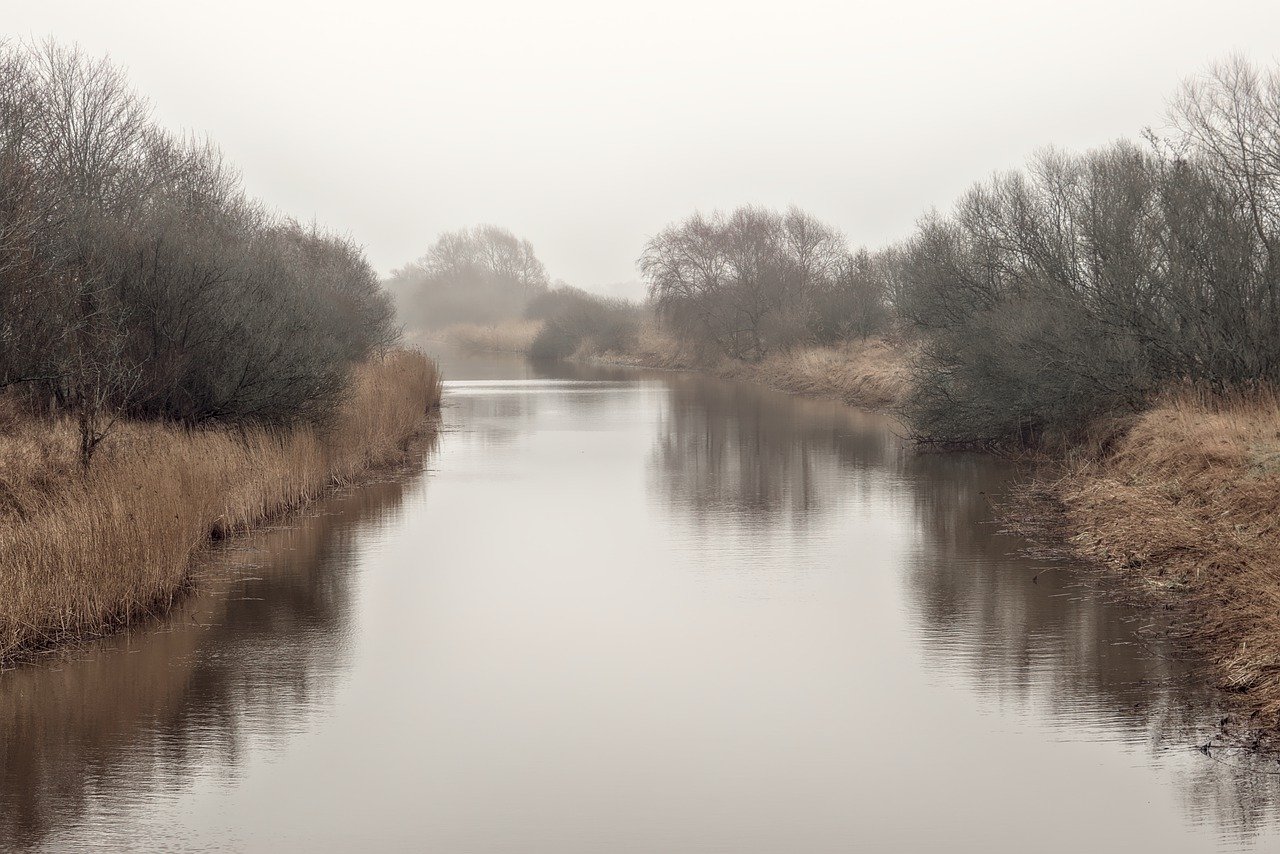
89 553
1183 501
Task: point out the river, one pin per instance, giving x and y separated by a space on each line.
624 611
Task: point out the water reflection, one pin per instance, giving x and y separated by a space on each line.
1040 639
1064 643
246 663
731 448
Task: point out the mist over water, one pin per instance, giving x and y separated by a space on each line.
698 616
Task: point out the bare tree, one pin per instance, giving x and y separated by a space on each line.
743 284
136 278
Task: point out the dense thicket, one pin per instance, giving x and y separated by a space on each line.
1079 286
476 275
573 319
1086 283
751 282
137 277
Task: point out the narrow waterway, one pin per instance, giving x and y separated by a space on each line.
620 611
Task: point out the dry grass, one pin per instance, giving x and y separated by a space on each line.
873 373
1188 502
509 336
87 551
653 348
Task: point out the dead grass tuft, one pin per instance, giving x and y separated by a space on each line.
1188 501
872 373
653 348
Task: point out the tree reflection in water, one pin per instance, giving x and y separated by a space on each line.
1057 641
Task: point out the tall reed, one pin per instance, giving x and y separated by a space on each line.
82 552
1187 500
508 336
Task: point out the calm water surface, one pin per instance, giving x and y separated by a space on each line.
627 612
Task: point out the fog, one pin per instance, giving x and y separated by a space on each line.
587 128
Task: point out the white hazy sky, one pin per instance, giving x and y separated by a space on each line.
588 126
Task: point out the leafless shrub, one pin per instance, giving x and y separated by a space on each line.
748 283
136 277
1087 283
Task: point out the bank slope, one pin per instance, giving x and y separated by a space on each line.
1188 504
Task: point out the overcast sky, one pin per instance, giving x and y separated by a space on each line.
588 126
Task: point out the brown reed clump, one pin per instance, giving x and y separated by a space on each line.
1188 502
82 552
871 373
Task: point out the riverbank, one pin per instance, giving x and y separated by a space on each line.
512 336
870 373
86 552
1187 504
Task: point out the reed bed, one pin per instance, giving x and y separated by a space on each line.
872 373
653 348
508 336
83 552
1188 502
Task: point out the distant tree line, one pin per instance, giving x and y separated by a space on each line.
486 275
137 278
753 282
473 275
1079 286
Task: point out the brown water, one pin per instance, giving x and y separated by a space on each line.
626 612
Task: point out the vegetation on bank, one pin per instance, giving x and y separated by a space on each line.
1081 288
1188 501
574 321
87 551
137 279
873 372
176 361
511 336
474 276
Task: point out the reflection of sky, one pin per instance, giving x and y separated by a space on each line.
637 614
